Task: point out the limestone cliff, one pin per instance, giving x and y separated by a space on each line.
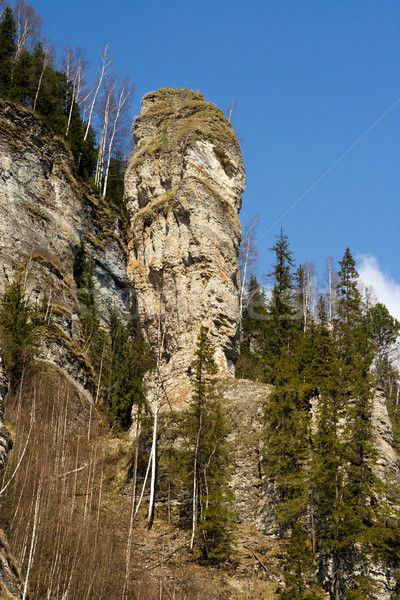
183 191
46 214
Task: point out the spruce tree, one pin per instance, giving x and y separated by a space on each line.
19 340
7 50
126 360
208 459
250 363
282 327
286 429
299 569
352 330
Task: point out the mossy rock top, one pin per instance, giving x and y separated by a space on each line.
169 93
179 117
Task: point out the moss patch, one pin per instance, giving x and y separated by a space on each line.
35 212
148 212
51 262
182 117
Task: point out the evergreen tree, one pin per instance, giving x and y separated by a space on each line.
208 459
7 50
282 327
352 329
286 430
286 438
384 332
21 87
127 359
19 340
250 362
299 569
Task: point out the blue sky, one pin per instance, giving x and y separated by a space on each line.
310 78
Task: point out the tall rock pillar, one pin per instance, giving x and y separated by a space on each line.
183 190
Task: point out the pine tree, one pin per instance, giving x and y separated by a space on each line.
208 459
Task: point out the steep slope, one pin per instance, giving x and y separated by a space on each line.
183 191
47 217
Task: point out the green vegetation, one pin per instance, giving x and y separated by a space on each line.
19 338
299 569
323 470
119 356
207 461
28 76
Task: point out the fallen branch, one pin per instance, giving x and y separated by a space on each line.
165 558
74 471
267 572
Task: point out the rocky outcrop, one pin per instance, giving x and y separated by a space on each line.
47 216
183 191
244 404
387 464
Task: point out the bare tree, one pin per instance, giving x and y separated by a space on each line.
308 288
75 68
113 114
331 277
248 257
104 68
121 110
157 405
33 540
48 59
28 23
105 111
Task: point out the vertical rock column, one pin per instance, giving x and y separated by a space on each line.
183 190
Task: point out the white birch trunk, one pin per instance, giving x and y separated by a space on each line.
105 65
33 541
160 344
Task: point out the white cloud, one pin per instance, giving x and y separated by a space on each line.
385 287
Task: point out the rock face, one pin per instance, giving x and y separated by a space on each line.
183 191
244 403
47 216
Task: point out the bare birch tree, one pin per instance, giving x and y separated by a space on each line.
247 259
75 68
48 59
125 94
308 290
113 114
331 277
33 540
106 61
28 24
157 405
